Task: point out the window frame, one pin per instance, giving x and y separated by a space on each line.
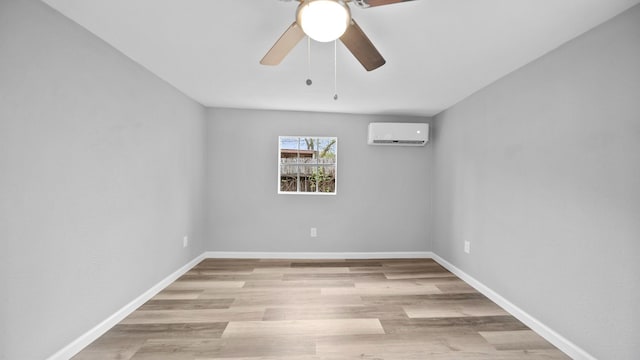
334 165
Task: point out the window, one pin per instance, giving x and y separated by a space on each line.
307 165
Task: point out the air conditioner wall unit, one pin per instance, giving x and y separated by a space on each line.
399 134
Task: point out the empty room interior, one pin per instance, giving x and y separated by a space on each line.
215 180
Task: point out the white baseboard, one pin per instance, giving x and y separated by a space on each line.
317 255
569 348
87 338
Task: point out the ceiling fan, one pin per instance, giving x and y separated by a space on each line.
328 20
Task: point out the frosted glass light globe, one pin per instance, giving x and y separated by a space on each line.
324 20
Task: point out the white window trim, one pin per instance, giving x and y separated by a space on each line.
335 191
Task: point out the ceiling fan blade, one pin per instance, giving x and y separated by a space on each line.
283 46
361 47
372 3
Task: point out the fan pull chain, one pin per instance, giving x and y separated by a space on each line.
309 82
335 69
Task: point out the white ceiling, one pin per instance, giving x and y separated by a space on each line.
438 51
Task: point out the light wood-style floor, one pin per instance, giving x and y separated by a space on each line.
405 309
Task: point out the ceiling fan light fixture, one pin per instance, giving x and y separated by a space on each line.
324 20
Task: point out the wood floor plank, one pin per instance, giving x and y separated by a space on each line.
407 283
313 283
438 309
516 340
334 312
334 327
371 291
111 348
283 309
419 299
169 331
335 264
302 270
403 347
284 300
189 304
452 325
205 284
456 287
227 276
257 293
416 275
210 271
225 348
178 294
193 316
279 357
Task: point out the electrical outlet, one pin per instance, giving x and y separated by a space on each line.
467 247
314 232
185 241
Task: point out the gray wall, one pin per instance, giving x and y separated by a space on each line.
382 204
101 175
541 172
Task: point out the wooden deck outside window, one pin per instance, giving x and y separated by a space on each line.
307 165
